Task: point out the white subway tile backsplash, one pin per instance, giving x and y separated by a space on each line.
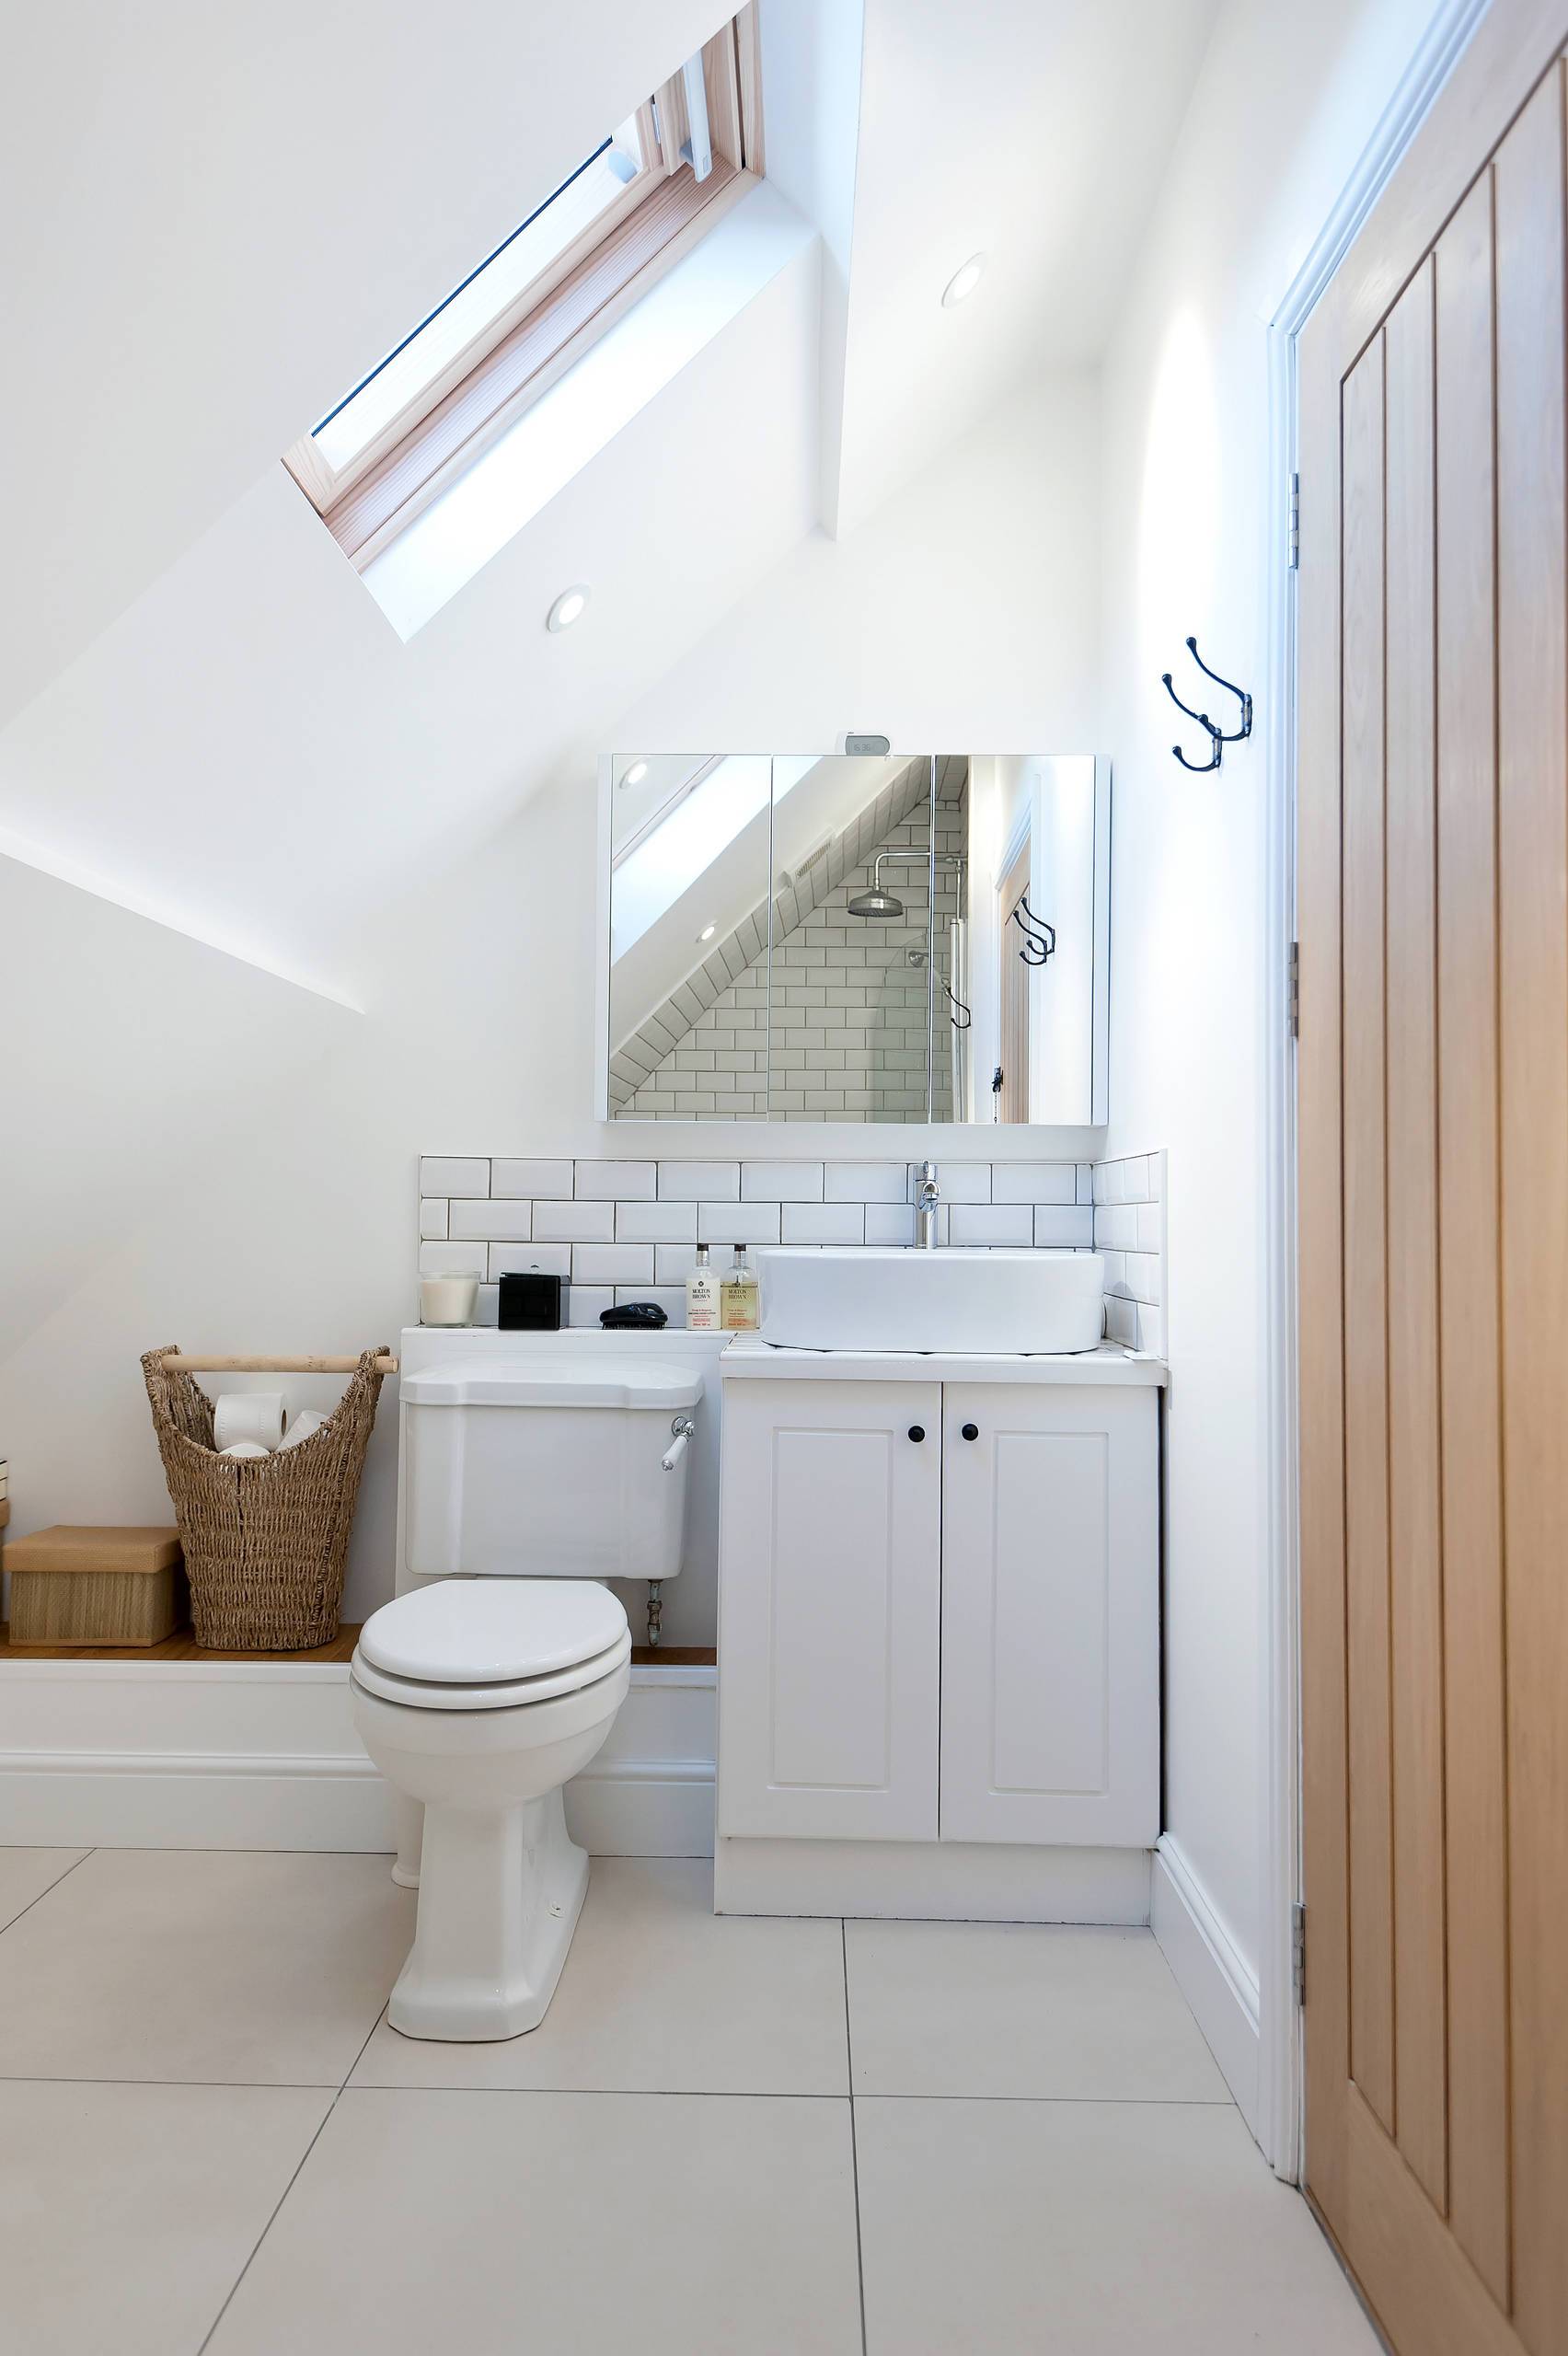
699 1182
1143 1275
529 1259
964 1181
612 1263
616 1181
971 1224
866 1181
447 1174
496 1222
586 1302
1064 1227
627 1229
574 1223
655 1222
890 1223
737 1222
511 1177
824 1223
1034 1182
782 1182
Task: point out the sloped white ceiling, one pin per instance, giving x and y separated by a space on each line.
226 213
1035 130
219 214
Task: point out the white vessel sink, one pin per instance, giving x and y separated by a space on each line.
984 1301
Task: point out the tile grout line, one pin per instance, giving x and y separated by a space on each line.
48 1891
294 2179
854 2138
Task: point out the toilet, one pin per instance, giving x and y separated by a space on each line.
480 1691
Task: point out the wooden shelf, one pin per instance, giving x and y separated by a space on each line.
183 1646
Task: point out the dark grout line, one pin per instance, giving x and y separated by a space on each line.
53 1886
294 2179
854 2139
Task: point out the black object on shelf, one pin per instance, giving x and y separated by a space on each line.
634 1317
532 1302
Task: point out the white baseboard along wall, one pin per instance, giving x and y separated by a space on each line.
231 1755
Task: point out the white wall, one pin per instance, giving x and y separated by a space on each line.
220 217
1287 101
274 1209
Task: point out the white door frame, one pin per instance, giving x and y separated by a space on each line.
1279 2118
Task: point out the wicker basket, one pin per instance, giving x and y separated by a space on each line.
266 1538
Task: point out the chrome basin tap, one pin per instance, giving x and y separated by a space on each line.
928 1195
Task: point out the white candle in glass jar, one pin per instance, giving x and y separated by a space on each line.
448 1300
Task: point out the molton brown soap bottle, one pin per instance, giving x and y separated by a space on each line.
739 1297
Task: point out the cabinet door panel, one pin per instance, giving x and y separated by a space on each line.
829 1611
1050 1616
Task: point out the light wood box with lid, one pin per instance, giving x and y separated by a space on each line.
78 1586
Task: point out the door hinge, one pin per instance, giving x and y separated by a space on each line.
1294 521
1299 1952
1293 990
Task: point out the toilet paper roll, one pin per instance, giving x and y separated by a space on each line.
245 1448
303 1424
248 1414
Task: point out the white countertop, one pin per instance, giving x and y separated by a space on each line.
749 1355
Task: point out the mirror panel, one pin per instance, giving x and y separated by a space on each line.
910 940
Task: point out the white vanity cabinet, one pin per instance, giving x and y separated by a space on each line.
939 1608
830 1554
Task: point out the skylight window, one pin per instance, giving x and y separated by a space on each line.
612 179
526 311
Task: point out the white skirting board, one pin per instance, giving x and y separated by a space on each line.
931 1881
1210 1971
241 1755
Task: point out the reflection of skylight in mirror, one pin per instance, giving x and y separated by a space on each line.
680 849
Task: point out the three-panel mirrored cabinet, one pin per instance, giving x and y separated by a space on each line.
908 939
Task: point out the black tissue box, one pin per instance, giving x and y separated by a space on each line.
532 1303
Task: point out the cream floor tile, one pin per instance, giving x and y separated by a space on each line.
25 1873
670 2225
1087 2229
127 2213
659 1995
203 1965
1009 2008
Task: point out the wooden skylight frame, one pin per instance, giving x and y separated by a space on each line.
511 358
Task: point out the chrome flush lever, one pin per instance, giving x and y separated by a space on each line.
682 1430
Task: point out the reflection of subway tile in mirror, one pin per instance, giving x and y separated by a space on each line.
627 1229
796 939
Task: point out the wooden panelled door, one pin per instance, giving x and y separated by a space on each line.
1434 1122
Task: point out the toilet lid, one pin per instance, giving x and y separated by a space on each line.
492 1631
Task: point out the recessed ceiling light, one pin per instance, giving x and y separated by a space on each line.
569 607
708 932
636 774
963 282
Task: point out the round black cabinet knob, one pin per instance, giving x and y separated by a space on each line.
917 1431
970 1431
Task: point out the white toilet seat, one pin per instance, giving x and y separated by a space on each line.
493 1644
497 1693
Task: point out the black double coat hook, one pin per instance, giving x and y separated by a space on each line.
1218 737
